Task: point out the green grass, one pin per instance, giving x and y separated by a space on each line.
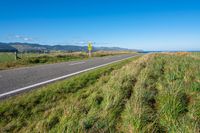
44 107
196 54
7 57
166 97
155 93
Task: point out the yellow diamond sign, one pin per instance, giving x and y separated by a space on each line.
90 46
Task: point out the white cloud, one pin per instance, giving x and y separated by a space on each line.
17 36
81 42
27 39
84 42
24 38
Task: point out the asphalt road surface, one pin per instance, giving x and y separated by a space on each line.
22 79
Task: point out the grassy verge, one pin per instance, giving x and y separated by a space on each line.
7 60
165 97
6 57
44 108
155 93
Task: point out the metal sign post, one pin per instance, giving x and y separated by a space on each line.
90 49
15 55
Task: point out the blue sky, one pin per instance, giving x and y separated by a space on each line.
140 24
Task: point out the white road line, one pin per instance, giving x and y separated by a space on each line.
77 63
58 78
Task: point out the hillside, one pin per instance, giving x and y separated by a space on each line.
155 93
7 48
29 47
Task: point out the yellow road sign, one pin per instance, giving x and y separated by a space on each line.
90 46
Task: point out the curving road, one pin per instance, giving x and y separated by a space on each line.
17 80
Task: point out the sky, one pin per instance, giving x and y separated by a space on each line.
135 24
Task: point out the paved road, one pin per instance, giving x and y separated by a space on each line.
17 80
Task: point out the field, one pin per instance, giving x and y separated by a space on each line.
152 93
7 57
7 60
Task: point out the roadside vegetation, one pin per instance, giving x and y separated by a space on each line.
155 93
7 60
6 57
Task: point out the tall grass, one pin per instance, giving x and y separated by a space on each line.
166 96
155 93
44 108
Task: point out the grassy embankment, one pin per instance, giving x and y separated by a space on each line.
30 108
7 60
156 93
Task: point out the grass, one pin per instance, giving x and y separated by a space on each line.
195 55
155 93
166 96
38 105
7 57
7 60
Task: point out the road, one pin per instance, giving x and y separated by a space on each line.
22 79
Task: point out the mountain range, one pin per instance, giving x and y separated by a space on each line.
30 47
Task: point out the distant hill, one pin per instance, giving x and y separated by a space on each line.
7 48
30 47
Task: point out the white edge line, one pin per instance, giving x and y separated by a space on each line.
59 78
